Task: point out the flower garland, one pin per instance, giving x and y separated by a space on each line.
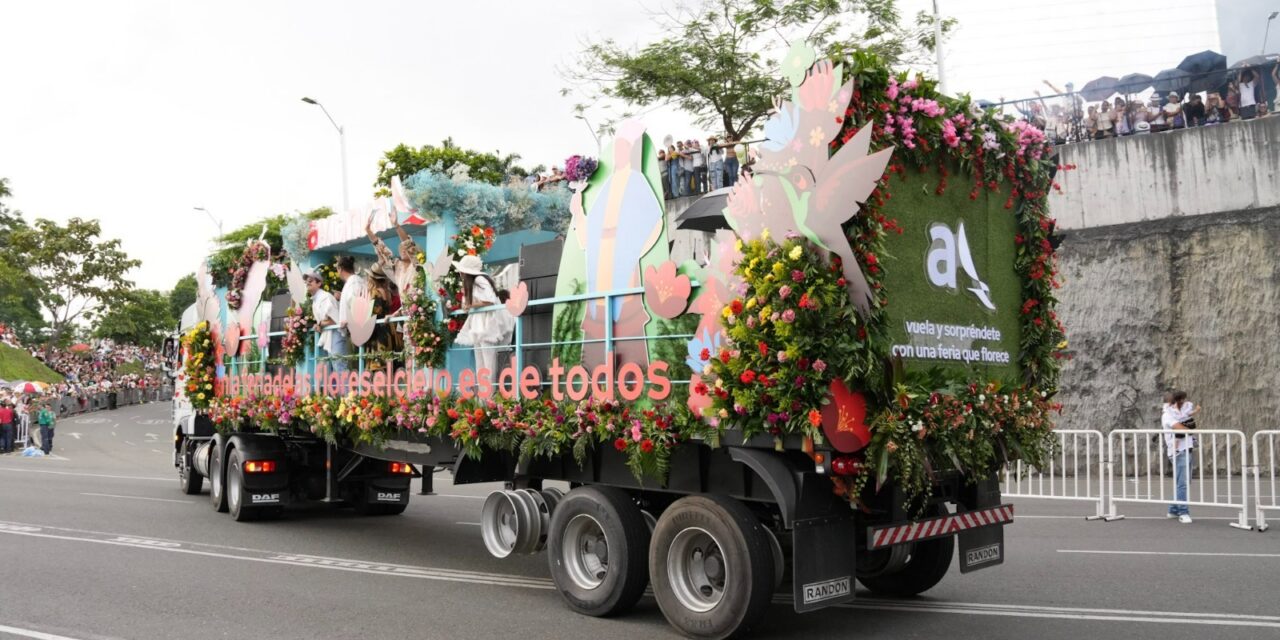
774 374
429 337
298 324
199 368
254 252
329 280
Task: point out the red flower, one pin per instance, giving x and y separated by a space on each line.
764 348
700 388
871 258
453 413
705 355
747 377
646 446
815 417
620 444
735 307
724 356
488 232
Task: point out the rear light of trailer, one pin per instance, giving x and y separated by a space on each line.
845 466
260 466
401 468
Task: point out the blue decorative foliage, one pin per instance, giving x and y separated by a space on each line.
505 208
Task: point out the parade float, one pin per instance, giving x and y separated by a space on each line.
824 394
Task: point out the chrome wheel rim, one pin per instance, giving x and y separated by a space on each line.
696 570
500 524
585 552
233 487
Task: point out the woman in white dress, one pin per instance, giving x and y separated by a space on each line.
489 331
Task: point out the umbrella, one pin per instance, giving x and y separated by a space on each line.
1171 80
1256 61
1099 88
706 213
1134 83
80 348
30 387
1206 68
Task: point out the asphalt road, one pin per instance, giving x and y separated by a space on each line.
98 542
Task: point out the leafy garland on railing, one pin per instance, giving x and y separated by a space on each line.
506 208
429 336
198 370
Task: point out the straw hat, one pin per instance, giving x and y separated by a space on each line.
376 272
470 265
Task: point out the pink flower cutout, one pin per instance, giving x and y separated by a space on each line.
519 300
844 419
665 291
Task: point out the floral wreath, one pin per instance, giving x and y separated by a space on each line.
473 242
253 252
199 368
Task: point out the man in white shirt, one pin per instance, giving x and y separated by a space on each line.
1179 442
352 286
324 308
699 168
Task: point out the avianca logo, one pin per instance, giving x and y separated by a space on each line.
946 249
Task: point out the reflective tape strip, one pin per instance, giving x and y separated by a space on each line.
936 527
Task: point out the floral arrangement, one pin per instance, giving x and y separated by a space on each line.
579 168
254 252
199 368
506 208
329 280
471 242
298 324
429 337
774 374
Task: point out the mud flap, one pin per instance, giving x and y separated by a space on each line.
981 548
822 561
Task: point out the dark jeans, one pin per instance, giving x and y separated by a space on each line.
46 438
6 438
731 170
700 175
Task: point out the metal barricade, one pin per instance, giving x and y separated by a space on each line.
1074 472
1264 447
22 431
1139 470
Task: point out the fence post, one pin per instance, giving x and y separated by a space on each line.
1108 483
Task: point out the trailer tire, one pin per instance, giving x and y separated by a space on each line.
590 522
188 478
217 481
235 494
712 566
927 564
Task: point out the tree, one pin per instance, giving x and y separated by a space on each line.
721 62
142 318
405 161
182 296
19 306
74 274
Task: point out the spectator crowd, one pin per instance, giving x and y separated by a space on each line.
689 169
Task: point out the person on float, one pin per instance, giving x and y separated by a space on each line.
386 341
487 332
352 285
324 308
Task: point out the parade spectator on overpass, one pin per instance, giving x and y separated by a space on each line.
715 163
699 168
352 286
47 422
1105 121
662 171
324 308
1247 88
673 170
6 427
731 162
1122 115
1194 111
1173 116
1155 114
1216 111
1177 419
686 168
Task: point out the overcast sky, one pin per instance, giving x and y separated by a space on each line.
136 112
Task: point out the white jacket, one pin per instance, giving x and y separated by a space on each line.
1171 415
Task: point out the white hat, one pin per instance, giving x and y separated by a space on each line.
470 265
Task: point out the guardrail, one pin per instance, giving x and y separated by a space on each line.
1066 477
1141 456
1264 501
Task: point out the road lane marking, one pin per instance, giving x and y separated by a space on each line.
1023 516
28 633
112 495
86 475
524 582
75 435
470 524
1212 554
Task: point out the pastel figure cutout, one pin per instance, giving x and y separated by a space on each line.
519 300
361 323
254 284
297 286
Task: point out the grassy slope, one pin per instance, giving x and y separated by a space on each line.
17 365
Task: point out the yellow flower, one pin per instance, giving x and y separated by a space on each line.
737 244
751 303
726 312
200 396
796 252
779 269
764 235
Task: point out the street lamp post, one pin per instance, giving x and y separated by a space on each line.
215 220
342 143
589 128
1266 32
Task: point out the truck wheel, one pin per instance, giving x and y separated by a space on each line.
217 487
235 490
188 478
926 564
596 551
712 566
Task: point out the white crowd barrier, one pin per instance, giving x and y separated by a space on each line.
1264 466
1073 473
1139 470
22 429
